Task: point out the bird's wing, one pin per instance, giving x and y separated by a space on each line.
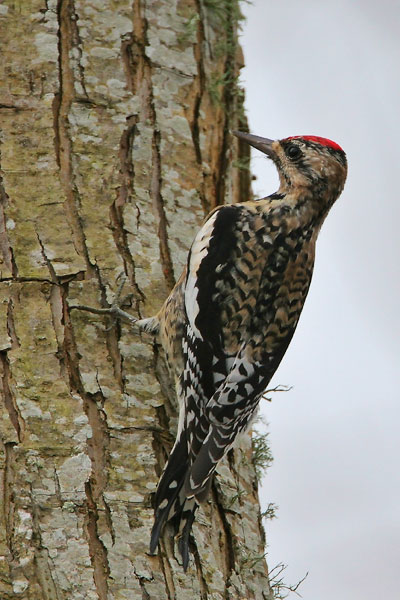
224 376
225 266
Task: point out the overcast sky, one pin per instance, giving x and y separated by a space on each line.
332 69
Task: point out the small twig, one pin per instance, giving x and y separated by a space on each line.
278 388
277 584
96 311
114 310
270 512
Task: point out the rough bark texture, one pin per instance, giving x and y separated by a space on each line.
115 142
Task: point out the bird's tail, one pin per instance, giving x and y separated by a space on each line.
171 502
214 447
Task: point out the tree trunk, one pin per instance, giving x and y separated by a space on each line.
115 144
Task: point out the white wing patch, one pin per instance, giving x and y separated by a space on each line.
198 252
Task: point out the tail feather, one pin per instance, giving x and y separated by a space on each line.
167 499
186 482
186 521
160 518
215 446
172 503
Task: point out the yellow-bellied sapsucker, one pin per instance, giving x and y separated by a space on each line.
230 318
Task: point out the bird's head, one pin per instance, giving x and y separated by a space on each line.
305 163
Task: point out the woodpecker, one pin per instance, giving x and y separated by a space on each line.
227 323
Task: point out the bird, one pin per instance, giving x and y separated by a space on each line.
228 322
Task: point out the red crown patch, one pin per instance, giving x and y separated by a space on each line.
319 140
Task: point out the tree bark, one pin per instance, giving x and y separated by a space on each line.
115 143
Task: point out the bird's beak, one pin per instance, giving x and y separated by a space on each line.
263 144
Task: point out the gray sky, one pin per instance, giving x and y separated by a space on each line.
332 69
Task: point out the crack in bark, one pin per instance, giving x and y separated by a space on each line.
15 107
158 203
46 259
43 570
70 355
8 397
228 100
141 579
222 165
31 279
228 543
116 209
63 143
168 576
200 574
145 593
77 44
97 550
133 428
132 51
116 213
11 330
57 487
56 307
135 60
98 446
108 516
8 497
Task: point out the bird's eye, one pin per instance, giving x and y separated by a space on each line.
293 151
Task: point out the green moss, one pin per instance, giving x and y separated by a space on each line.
190 30
270 512
262 457
224 87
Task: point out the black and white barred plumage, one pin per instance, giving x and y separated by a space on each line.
230 318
